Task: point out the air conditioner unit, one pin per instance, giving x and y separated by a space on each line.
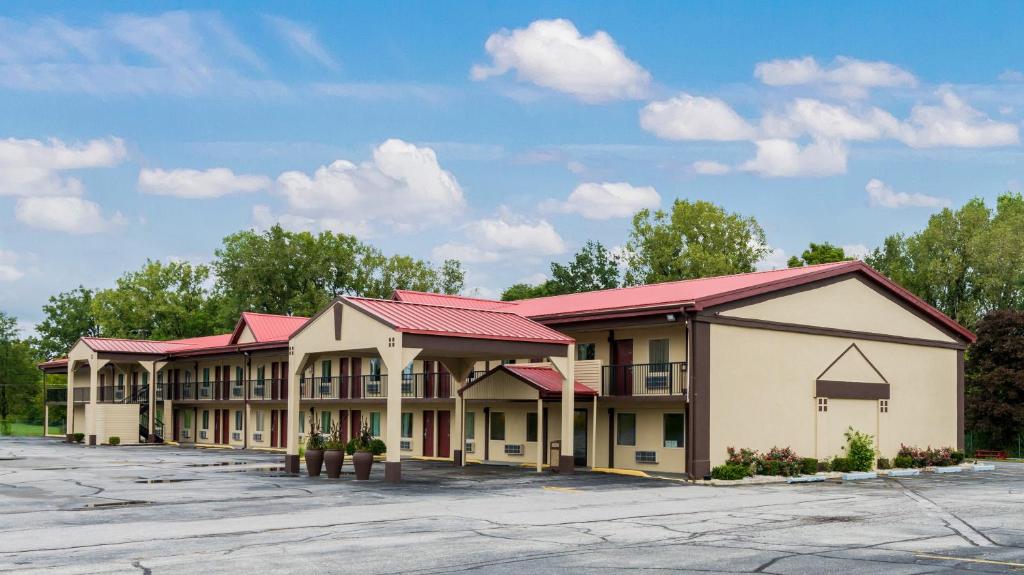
204 392
648 457
513 449
405 444
236 436
236 391
470 445
185 434
257 437
202 434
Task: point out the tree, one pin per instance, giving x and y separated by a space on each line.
994 393
68 316
20 381
160 301
592 268
818 254
693 240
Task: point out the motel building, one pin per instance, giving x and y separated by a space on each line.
660 378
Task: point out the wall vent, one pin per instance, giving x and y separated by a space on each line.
257 437
405 444
647 457
470 445
513 449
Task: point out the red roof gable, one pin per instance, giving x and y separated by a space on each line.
544 379
266 327
457 322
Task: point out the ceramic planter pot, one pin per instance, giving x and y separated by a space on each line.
314 462
363 462
333 458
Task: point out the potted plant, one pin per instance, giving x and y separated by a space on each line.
314 448
334 452
362 459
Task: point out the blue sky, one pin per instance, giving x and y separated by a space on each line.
503 134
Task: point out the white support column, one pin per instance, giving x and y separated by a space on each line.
540 435
46 418
395 358
69 418
151 412
95 365
296 366
592 452
566 367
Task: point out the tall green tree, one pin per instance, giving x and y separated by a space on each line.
823 253
692 240
159 301
20 381
67 317
994 394
591 268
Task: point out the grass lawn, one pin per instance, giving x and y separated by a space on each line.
27 429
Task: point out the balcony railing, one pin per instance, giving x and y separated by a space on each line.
268 389
57 395
644 379
344 387
430 385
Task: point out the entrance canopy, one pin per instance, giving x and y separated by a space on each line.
522 382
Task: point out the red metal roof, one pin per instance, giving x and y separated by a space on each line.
268 327
206 340
143 346
457 322
445 300
544 379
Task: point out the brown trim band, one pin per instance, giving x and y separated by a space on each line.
497 348
825 331
698 452
960 399
851 390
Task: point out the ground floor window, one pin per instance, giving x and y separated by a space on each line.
406 426
206 419
302 422
498 426
375 423
470 425
625 424
259 420
531 427
674 425
186 419
238 420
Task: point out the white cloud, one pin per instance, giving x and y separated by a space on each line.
9 271
784 158
710 168
67 214
775 259
575 167
882 195
1012 76
821 120
606 200
302 39
403 188
179 53
35 168
196 184
848 77
506 236
687 117
553 54
954 123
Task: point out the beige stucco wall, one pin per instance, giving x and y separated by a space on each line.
641 336
649 437
763 393
515 430
849 304
246 336
115 420
79 419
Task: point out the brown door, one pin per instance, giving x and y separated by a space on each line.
343 381
216 426
623 384
273 428
343 424
283 388
282 428
225 426
357 377
275 383
225 376
216 384
444 433
174 425
444 381
428 433
356 422
428 379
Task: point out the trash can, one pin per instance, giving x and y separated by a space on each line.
554 455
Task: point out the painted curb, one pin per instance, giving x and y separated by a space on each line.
983 467
613 471
858 475
806 479
904 473
950 469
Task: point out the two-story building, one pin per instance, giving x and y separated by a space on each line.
659 378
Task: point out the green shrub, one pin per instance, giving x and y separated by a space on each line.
860 450
730 472
79 437
841 464
903 462
114 440
377 447
958 457
350 448
883 463
825 465
808 466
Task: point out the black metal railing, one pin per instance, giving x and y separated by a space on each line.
476 373
644 379
57 395
268 389
429 385
344 387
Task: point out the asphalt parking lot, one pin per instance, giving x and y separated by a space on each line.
161 509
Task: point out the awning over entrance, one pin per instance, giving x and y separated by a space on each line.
522 382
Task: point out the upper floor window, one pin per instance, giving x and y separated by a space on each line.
375 368
585 351
325 369
507 361
206 376
658 358
239 374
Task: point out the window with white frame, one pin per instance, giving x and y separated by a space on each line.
658 354
259 420
822 404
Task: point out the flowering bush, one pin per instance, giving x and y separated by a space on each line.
931 457
778 461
